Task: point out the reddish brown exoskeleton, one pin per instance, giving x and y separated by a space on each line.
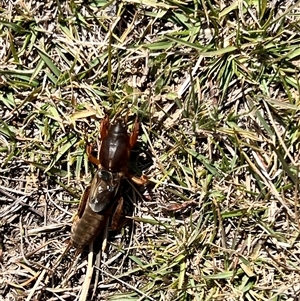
99 199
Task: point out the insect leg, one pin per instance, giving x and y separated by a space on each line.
117 220
104 127
83 201
135 133
91 158
142 180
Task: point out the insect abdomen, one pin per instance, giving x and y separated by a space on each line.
85 229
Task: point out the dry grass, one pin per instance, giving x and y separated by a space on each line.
216 87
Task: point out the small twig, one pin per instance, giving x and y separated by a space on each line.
128 285
297 200
88 276
57 206
99 257
3 188
29 297
21 248
284 266
20 202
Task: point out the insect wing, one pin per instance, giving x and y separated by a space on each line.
103 189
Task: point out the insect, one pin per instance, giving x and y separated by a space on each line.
99 199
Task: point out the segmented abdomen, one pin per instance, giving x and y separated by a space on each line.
85 229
